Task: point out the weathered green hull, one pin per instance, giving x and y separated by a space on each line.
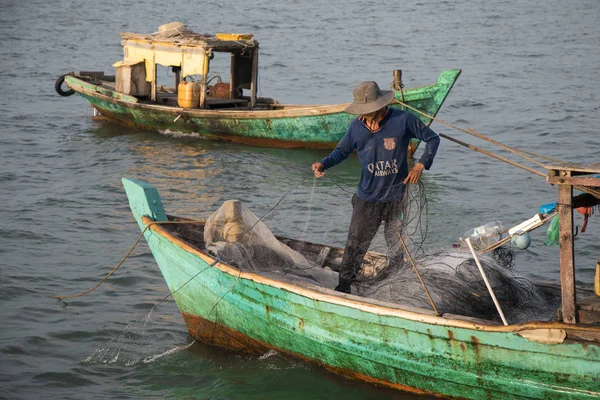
287 126
411 350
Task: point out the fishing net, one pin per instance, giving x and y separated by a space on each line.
235 235
457 287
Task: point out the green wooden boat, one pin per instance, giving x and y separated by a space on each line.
224 110
405 348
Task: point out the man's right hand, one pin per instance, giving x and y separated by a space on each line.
318 169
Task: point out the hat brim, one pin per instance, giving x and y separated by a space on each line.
367 108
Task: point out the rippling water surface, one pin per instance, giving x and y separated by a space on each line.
529 80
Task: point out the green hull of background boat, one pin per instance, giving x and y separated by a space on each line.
282 126
399 347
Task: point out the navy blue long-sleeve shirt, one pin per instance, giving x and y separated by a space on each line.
382 154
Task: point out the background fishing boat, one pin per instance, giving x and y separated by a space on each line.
222 110
396 346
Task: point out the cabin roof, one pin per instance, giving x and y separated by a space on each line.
185 37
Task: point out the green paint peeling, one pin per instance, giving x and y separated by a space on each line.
439 357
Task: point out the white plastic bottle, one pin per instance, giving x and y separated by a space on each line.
483 236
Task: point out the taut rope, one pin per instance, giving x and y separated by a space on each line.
164 223
124 258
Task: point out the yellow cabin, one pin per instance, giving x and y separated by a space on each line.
188 54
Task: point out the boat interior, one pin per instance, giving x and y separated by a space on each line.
331 257
168 96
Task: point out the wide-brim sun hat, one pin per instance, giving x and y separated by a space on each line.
369 98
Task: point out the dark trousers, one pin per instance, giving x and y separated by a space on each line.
365 222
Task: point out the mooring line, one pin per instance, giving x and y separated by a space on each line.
60 297
157 304
124 258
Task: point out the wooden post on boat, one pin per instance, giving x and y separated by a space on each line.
566 176
254 84
177 74
567 255
597 279
232 80
153 92
205 70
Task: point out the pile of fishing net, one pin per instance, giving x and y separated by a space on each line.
457 287
235 235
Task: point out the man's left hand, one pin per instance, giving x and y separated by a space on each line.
415 174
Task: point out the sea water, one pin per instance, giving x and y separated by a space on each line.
529 80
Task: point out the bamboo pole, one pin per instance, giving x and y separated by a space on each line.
418 275
487 283
519 152
490 154
474 133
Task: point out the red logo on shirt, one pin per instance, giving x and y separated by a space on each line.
389 143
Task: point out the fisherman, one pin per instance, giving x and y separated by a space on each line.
380 136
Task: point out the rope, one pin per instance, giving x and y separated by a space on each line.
279 202
402 91
165 223
124 258
157 304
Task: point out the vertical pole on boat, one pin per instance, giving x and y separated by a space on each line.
567 254
487 283
418 275
177 71
397 83
254 83
205 70
153 89
232 82
597 279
